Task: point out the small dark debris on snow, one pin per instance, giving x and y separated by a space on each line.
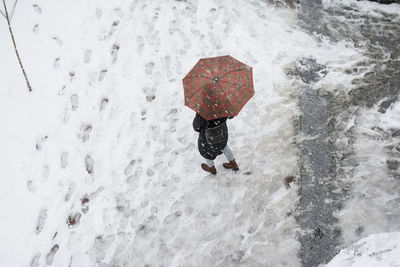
395 132
385 1
84 200
55 234
85 204
178 213
359 230
120 208
287 181
392 164
74 219
318 233
115 23
248 173
308 69
386 104
150 98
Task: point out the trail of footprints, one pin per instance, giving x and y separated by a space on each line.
134 168
74 217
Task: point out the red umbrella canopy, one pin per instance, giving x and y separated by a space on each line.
218 87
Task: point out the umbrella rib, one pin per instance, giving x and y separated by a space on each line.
231 72
231 83
208 65
199 76
224 93
219 68
198 90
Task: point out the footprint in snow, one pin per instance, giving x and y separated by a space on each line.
86 129
51 254
129 168
99 13
70 191
71 75
144 115
41 221
56 63
103 103
64 160
74 219
74 101
31 186
149 67
150 93
140 42
85 200
46 172
37 8
87 56
58 41
35 260
114 52
105 36
65 119
89 164
134 179
102 74
40 142
62 91
36 28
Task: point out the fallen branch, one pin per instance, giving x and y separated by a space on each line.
13 40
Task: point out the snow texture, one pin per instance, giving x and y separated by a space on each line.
378 250
99 163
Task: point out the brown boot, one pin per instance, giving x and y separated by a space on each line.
209 169
231 165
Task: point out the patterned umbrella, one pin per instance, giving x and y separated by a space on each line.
218 87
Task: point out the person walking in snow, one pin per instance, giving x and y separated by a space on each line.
217 88
213 141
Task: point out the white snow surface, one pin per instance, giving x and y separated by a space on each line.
374 206
378 250
106 126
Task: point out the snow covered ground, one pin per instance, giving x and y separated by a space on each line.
378 250
99 163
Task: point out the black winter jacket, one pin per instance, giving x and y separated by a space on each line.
207 150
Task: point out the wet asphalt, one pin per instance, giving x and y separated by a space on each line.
323 188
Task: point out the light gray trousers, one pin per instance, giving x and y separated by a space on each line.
228 154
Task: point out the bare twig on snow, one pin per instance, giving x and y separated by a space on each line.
15 45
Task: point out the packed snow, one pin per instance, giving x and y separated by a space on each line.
99 163
380 250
